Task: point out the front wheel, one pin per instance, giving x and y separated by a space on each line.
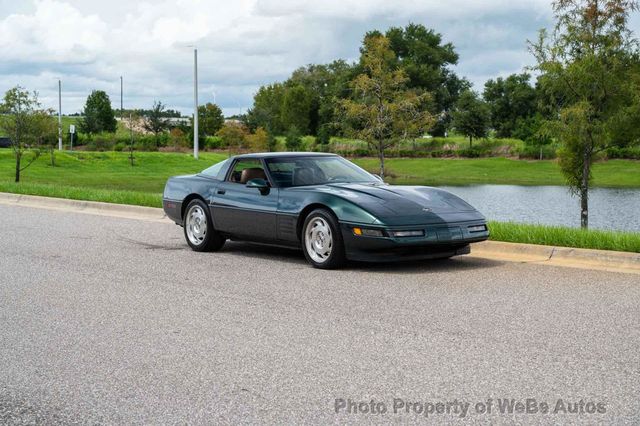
322 241
198 228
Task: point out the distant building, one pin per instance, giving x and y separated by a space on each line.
177 121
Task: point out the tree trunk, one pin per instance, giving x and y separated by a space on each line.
18 155
584 191
381 156
470 141
53 157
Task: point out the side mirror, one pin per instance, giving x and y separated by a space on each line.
259 184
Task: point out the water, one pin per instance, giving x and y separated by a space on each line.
609 208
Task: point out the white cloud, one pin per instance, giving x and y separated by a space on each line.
242 44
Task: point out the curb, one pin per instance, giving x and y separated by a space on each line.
89 207
613 261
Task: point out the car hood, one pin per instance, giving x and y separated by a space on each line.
407 205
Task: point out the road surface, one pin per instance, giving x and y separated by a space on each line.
110 320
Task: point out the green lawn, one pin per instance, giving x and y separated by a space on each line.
436 171
107 170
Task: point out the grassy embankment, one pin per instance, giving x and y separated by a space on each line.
109 177
565 237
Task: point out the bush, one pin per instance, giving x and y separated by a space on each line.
101 142
534 151
629 153
145 143
324 136
120 147
475 151
177 138
293 139
213 142
233 135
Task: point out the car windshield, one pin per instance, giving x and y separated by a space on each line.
302 171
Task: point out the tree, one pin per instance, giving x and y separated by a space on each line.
471 116
293 139
589 69
267 104
272 142
210 119
98 114
233 135
296 108
324 85
177 137
258 141
382 108
27 125
154 121
509 100
425 59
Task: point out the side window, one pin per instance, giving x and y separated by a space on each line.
281 171
246 169
214 170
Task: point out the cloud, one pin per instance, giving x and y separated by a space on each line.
242 44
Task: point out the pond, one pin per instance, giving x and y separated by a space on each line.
609 208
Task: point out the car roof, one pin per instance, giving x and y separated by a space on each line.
285 155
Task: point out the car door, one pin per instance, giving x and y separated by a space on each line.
246 213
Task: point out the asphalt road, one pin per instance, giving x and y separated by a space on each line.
106 320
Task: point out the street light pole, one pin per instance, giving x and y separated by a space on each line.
195 103
121 103
59 115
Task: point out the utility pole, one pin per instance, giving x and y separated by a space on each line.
121 103
195 103
131 136
59 115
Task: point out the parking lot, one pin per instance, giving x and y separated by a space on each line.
111 320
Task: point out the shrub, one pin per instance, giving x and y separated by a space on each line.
101 142
548 152
145 143
177 138
213 142
629 153
475 152
120 147
233 135
258 141
293 139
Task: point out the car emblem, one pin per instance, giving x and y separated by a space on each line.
427 209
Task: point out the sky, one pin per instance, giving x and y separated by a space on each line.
242 44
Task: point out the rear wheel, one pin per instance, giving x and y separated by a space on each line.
322 241
198 228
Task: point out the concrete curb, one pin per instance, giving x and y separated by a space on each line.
89 207
614 261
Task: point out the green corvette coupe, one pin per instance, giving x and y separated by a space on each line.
328 206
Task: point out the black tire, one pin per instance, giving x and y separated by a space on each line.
336 257
203 237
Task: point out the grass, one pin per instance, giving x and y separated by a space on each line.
136 198
436 171
106 170
565 237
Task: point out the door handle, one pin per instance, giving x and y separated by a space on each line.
221 191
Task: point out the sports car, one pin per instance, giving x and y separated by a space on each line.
322 203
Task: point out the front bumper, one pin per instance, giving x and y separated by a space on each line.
438 241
